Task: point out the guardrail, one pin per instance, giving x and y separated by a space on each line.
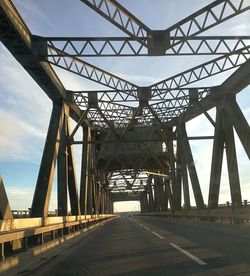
18 235
222 215
228 204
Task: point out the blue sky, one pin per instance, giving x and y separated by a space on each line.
25 109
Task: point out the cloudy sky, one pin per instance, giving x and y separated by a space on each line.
25 109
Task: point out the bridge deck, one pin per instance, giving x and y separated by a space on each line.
154 246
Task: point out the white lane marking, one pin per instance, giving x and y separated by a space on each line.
159 236
146 228
191 256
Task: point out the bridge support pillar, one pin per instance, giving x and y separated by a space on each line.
85 187
169 194
224 136
62 173
159 193
176 185
181 172
43 189
144 203
72 183
150 194
189 161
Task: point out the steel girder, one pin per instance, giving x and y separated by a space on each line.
200 21
126 46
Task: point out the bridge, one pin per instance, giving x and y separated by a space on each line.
134 142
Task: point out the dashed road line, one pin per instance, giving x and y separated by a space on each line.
185 252
159 236
191 256
146 228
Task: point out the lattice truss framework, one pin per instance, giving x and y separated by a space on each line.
168 98
122 104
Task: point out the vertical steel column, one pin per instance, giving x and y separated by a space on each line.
72 184
187 154
169 193
161 193
224 135
150 193
142 205
62 172
93 170
182 176
166 195
90 179
101 200
84 172
232 164
42 194
93 193
176 185
146 201
97 198
156 194
185 186
217 158
109 200
104 200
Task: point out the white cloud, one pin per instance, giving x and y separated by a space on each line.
19 140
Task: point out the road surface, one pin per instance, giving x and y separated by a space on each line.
156 246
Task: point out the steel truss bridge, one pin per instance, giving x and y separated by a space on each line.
134 140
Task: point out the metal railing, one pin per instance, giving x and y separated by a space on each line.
20 234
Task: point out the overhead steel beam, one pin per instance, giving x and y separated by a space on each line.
231 86
205 70
200 21
91 72
121 18
128 141
206 18
126 46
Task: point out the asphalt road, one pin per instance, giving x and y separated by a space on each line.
156 246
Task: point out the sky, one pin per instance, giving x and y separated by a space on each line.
25 109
